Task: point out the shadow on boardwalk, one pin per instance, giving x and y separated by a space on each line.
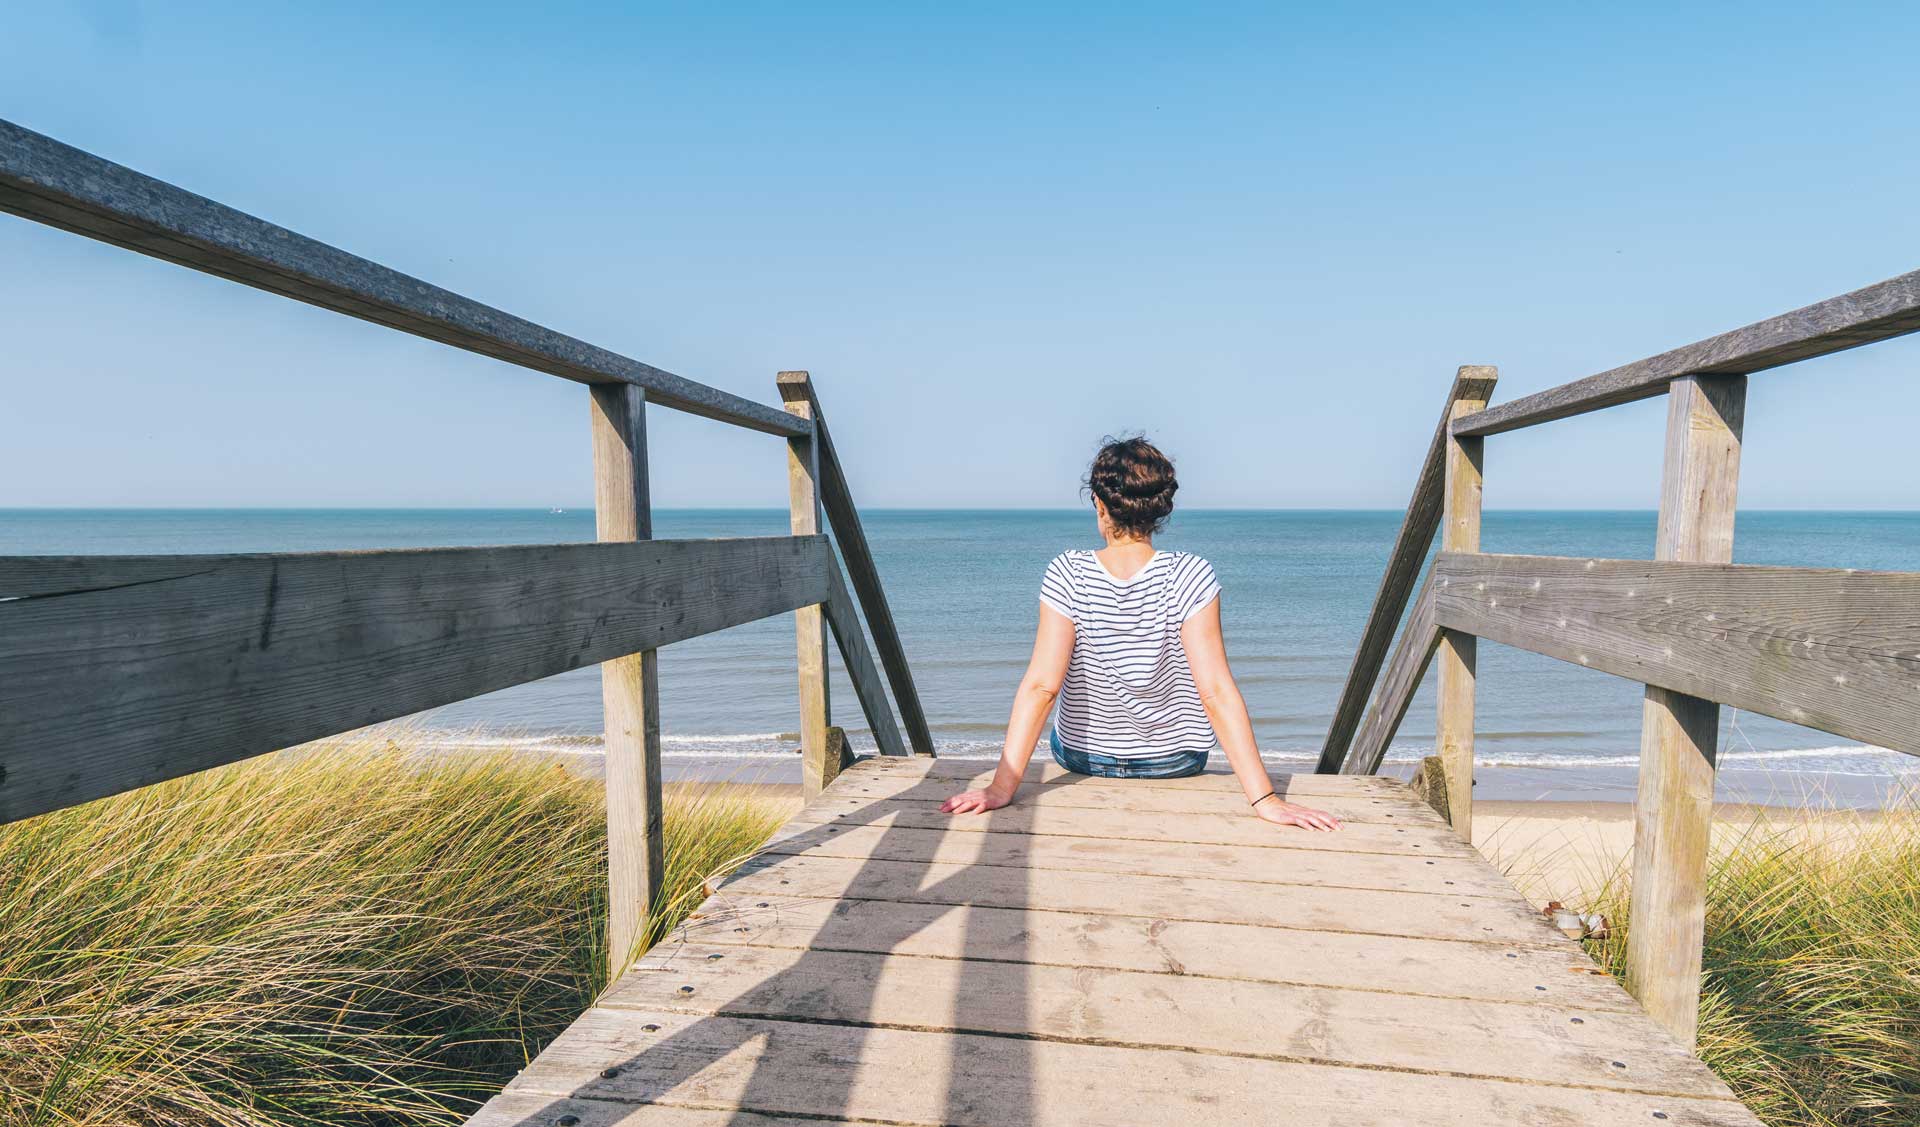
993 979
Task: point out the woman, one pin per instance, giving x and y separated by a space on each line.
1129 644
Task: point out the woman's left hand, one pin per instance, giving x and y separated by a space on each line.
975 802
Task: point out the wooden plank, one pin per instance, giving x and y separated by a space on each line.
1833 649
1471 383
819 763
1350 795
851 537
1157 1010
1556 974
1411 656
1434 915
1168 804
853 1073
1386 836
1044 773
859 663
517 1109
1673 809
117 672
1456 654
630 685
44 180
1878 312
1411 871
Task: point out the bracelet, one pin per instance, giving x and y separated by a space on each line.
1264 797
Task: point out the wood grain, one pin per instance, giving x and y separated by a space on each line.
1673 806
1471 383
1878 312
117 672
870 967
859 665
1411 656
818 762
61 186
629 686
1394 964
843 516
1456 655
1832 649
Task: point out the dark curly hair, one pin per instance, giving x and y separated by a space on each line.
1135 481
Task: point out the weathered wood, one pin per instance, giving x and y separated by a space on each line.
1393 964
1471 383
851 537
56 184
1410 870
1411 656
1673 810
1456 656
117 672
1398 810
1061 980
630 685
1429 782
1112 824
1045 772
809 622
1424 915
860 671
1255 1020
1832 649
1878 312
849 1073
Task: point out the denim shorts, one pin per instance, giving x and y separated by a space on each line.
1171 765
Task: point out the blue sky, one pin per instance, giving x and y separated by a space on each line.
993 232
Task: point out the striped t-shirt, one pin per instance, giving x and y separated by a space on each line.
1129 691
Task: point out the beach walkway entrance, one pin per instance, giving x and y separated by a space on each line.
1106 952
1111 953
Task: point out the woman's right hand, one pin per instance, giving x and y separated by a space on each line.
1283 813
975 802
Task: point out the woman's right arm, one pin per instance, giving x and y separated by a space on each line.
1052 650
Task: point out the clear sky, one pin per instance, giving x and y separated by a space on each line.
1263 234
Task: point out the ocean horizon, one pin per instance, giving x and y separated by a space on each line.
1298 584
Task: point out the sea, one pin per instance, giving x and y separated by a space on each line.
962 585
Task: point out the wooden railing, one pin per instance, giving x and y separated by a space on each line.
1837 650
121 671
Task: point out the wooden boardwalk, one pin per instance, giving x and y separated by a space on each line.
1120 953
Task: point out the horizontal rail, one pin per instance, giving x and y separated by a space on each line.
1837 650
117 672
1409 664
56 184
1470 383
1879 312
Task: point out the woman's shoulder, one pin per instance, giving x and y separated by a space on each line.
1187 561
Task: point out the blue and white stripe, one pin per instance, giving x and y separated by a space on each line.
1129 691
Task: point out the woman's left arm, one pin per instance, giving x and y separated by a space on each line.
1227 711
1052 650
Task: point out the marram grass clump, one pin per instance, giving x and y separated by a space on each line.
352 934
1810 1000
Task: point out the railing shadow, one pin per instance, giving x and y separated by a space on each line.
992 979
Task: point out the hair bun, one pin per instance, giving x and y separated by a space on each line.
1136 484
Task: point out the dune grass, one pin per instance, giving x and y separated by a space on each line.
1810 1003
347 935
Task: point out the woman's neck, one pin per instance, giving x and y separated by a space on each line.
1126 557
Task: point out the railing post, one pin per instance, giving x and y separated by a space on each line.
1673 809
629 686
1458 652
809 623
